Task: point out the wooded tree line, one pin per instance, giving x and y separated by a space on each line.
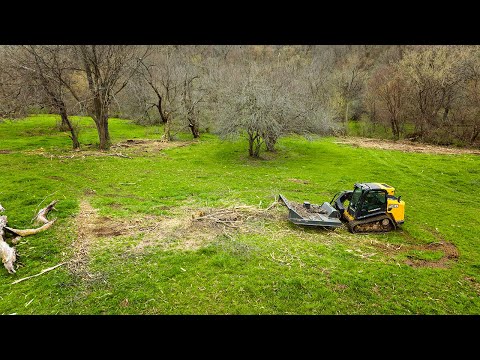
428 93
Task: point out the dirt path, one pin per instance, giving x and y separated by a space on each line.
85 224
404 145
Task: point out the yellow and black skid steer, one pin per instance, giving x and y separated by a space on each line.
369 207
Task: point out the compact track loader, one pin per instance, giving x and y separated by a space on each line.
371 207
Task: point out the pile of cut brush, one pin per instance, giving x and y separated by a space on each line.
8 253
233 217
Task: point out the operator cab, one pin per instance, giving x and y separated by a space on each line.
368 199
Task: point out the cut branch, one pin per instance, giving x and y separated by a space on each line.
40 273
272 205
119 155
27 232
42 214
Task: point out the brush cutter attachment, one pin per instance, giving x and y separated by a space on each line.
312 215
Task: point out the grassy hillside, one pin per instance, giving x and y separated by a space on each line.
149 229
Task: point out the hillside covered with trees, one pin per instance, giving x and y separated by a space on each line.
424 93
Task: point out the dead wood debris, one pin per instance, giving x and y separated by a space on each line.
88 154
126 149
8 253
42 214
404 145
234 217
40 273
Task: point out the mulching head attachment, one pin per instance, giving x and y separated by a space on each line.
312 215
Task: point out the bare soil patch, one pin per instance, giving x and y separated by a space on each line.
405 146
124 149
340 287
5 151
149 145
187 229
89 192
473 282
299 181
90 226
126 196
449 250
54 177
195 228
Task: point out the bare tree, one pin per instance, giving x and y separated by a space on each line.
195 89
318 73
433 76
161 72
388 88
107 68
135 102
247 106
348 83
467 114
44 73
52 68
190 107
314 89
17 92
265 94
177 83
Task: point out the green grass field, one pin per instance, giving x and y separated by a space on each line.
126 225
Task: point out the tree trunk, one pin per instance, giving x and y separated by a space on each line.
250 144
165 117
167 130
420 128
103 134
346 118
270 142
194 128
59 105
270 146
475 133
100 116
445 115
395 131
69 126
64 123
254 144
258 146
